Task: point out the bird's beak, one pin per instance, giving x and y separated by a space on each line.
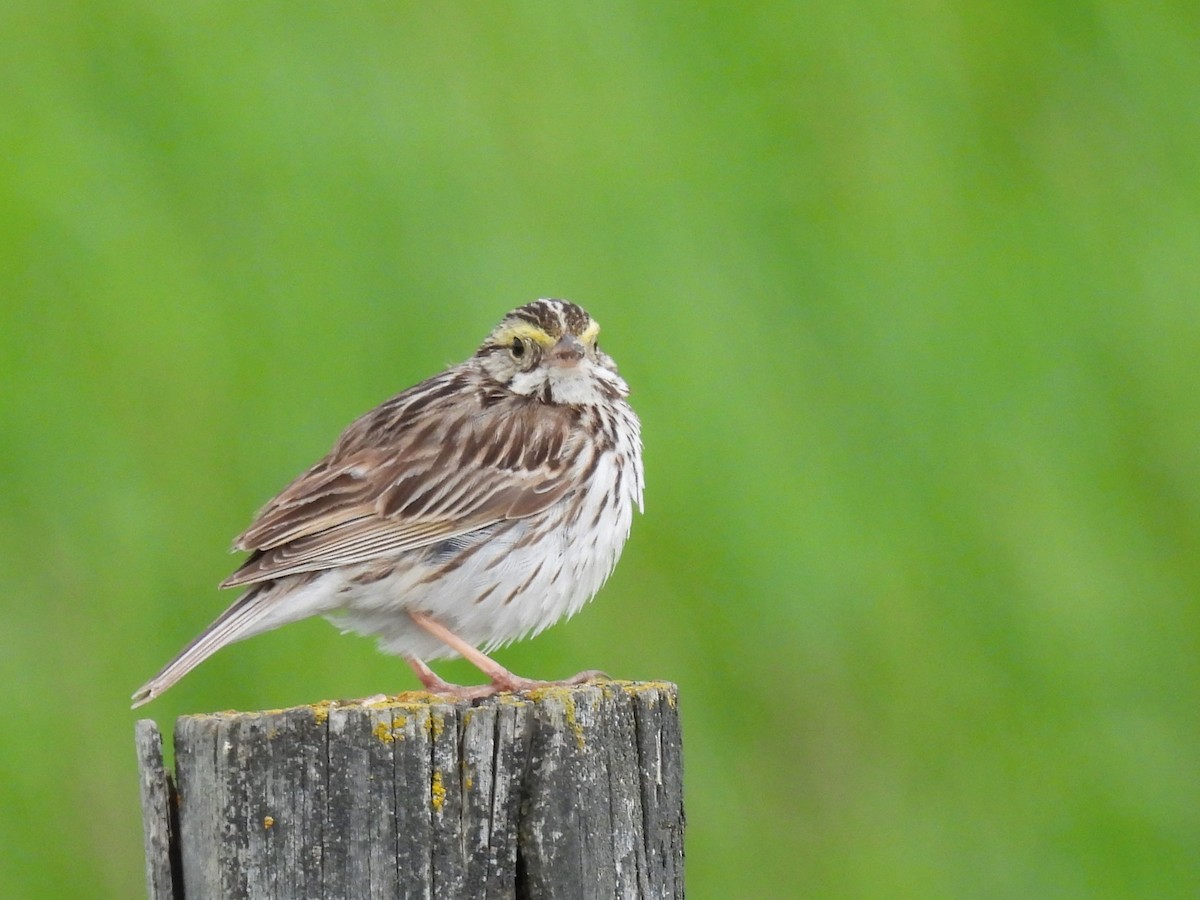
565 354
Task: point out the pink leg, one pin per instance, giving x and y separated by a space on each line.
501 678
430 679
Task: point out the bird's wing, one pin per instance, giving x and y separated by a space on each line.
413 473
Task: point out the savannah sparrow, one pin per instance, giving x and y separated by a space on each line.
478 507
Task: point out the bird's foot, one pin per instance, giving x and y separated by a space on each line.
502 681
505 681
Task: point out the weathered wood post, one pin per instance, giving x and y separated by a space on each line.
558 792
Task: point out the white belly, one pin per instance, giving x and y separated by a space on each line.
509 585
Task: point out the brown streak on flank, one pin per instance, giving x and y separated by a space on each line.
603 431
378 572
600 508
458 559
585 475
304 578
609 391
440 572
531 536
517 591
486 593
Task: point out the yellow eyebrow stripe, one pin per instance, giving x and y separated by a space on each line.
525 332
528 332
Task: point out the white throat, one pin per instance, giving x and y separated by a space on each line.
574 386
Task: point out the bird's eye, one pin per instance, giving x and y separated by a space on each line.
518 348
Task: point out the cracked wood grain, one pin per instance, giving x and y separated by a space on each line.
560 792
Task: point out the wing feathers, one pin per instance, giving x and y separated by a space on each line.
428 465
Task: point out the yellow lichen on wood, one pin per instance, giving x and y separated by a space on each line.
633 688
573 721
393 731
320 712
570 711
437 792
268 821
435 725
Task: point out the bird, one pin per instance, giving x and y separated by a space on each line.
474 509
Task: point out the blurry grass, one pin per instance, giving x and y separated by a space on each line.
908 301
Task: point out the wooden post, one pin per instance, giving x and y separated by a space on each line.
558 792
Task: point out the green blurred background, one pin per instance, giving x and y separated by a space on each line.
910 302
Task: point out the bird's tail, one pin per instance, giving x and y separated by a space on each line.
245 617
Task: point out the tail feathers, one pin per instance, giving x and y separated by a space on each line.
243 619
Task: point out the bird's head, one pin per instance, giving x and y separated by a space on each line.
548 349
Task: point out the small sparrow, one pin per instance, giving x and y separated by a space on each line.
471 510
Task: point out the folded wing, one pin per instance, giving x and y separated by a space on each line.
413 473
